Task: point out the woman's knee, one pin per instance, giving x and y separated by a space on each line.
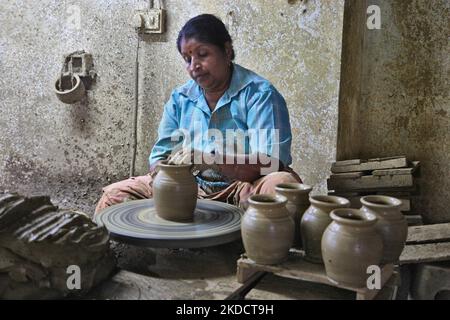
125 190
281 177
269 182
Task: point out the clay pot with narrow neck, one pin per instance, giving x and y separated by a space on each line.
267 229
391 224
297 195
314 222
175 192
350 244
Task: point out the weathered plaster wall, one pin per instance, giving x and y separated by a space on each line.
69 152
405 107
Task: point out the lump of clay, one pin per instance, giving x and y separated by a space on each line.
39 245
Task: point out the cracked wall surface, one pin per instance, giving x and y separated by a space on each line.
71 151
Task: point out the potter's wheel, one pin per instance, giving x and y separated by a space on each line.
136 222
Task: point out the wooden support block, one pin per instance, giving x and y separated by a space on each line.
397 171
387 172
346 162
413 219
372 164
431 233
366 183
346 175
244 272
428 252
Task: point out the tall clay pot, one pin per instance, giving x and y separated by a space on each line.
175 192
314 222
350 244
297 195
391 224
267 229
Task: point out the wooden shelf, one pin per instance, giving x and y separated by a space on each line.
296 267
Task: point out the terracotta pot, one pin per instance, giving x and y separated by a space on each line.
297 195
314 222
350 244
267 229
175 192
391 224
70 90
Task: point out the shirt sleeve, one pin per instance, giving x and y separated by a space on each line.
269 126
168 127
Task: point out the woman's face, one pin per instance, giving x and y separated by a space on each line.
206 63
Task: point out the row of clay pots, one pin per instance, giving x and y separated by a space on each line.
271 224
390 223
350 239
356 239
275 223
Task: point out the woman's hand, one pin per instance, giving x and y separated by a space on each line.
195 157
183 156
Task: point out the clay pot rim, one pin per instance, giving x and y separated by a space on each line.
271 200
293 187
75 87
329 201
387 202
164 164
366 219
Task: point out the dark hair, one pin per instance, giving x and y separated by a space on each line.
206 28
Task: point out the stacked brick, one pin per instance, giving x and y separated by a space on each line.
393 176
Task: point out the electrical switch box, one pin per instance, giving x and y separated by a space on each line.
151 21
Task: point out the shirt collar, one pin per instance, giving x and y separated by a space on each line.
239 80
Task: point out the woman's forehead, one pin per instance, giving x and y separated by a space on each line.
191 44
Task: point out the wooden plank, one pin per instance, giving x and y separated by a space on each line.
346 175
346 162
366 183
425 253
410 170
429 233
373 164
387 172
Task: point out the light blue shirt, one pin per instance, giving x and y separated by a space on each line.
243 120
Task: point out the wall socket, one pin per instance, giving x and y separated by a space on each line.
150 21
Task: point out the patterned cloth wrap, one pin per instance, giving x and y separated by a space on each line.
211 181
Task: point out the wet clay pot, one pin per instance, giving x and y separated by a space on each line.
297 195
350 244
314 222
267 229
175 192
391 224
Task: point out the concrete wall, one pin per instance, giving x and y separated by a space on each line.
70 151
405 107
401 105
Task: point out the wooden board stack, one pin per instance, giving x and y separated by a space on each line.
393 176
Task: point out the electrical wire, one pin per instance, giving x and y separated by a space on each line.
136 109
